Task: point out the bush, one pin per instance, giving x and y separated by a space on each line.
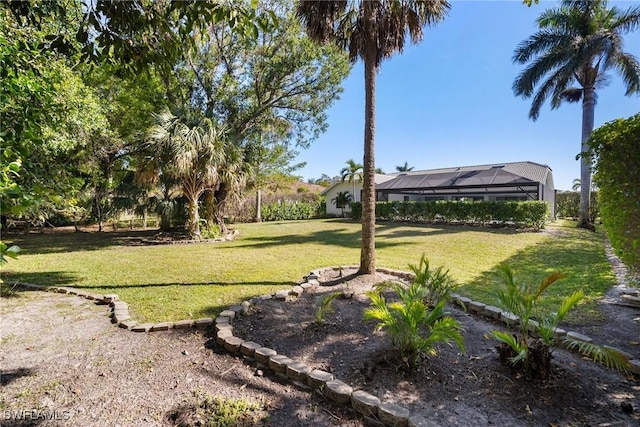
616 152
532 214
568 205
413 327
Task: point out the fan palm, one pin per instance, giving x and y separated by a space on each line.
352 173
568 58
342 200
371 30
190 150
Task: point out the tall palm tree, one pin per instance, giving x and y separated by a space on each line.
352 173
371 30
191 151
404 168
568 58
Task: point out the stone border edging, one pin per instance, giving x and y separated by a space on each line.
388 413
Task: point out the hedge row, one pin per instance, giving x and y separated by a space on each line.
532 214
282 210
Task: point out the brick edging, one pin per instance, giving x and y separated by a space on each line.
368 405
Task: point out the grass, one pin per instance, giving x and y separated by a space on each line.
173 282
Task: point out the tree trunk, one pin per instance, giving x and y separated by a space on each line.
368 250
209 204
258 205
193 220
588 110
145 217
220 196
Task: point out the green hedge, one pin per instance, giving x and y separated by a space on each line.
568 205
519 214
615 148
282 210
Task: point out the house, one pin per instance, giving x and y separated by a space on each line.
331 192
494 182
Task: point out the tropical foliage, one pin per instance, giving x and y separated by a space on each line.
616 151
413 324
371 31
568 60
325 306
342 200
530 349
436 282
352 173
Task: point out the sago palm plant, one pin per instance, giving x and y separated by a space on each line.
531 348
436 284
413 327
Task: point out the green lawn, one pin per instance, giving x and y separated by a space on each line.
173 282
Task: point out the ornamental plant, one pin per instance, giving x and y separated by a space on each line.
530 348
413 326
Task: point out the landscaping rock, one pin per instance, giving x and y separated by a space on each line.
163 326
204 322
265 297
306 285
221 319
298 371
142 327
232 344
246 305
318 378
237 309
281 295
297 291
579 337
313 282
263 354
184 324
509 318
248 348
222 335
476 307
559 333
492 312
221 326
365 403
635 366
338 391
278 363
228 313
127 324
121 317
393 415
631 300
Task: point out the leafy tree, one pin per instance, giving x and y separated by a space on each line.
196 149
372 31
617 156
568 60
271 91
135 33
342 200
404 168
352 173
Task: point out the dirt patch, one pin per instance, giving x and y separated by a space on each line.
60 357
453 388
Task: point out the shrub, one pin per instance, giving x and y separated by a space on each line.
532 354
325 306
616 152
532 214
413 327
436 283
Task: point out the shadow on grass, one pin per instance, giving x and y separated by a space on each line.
580 257
63 242
44 278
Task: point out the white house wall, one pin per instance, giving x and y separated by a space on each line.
333 191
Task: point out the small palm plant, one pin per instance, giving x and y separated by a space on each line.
325 306
532 353
342 200
436 283
413 327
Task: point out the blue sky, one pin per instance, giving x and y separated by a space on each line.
448 101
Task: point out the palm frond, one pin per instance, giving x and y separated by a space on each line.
610 357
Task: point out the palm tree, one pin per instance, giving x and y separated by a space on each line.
371 30
194 150
404 168
352 173
342 200
568 58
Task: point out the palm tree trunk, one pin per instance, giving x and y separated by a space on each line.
368 250
258 205
588 111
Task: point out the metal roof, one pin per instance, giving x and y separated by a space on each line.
495 175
